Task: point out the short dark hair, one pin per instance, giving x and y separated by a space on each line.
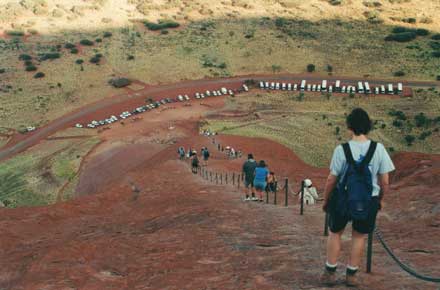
250 156
262 164
359 122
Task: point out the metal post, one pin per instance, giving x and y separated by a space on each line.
238 181
267 196
326 225
216 178
233 178
210 173
275 196
369 252
221 178
302 198
226 177
286 203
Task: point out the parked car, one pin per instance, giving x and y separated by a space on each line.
214 93
225 91
186 97
78 126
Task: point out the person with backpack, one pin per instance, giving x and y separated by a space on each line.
205 156
260 179
195 164
181 152
355 188
248 171
272 183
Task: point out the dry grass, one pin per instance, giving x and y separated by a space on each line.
303 126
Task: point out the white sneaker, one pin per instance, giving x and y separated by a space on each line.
247 199
254 198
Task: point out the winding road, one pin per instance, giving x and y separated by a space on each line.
118 103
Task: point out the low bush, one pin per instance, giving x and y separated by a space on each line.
436 36
409 139
69 45
438 78
2 70
50 55
399 73
39 75
164 32
425 135
401 37
280 22
95 59
422 121
98 40
130 57
398 114
311 67
422 32
120 82
335 2
74 51
14 32
397 124
161 25
79 61
436 53
86 42
28 63
107 34
411 20
25 57
31 68
435 45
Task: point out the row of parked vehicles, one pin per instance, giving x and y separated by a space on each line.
153 105
337 87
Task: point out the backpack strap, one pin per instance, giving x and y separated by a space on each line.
369 155
348 154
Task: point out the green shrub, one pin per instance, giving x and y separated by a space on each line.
397 124
436 36
329 68
31 68
335 2
2 70
164 32
69 45
50 55
25 57
311 67
401 37
39 75
400 29
409 139
398 114
280 22
161 25
74 51
411 20
86 42
436 53
425 135
438 78
28 63
14 32
107 34
98 40
95 60
383 126
399 73
391 149
79 61
421 120
130 57
435 45
422 32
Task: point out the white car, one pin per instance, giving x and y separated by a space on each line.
266 85
318 88
330 89
277 86
309 87
313 88
90 126
231 93
78 125
343 89
376 90
95 123
295 87
180 98
283 86
208 93
261 85
219 93
272 86
186 97
289 86
202 96
197 96
245 87
225 91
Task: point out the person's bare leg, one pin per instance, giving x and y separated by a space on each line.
357 248
334 247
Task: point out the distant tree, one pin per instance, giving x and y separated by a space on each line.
31 68
329 68
79 61
25 57
107 34
399 73
310 67
86 42
409 139
39 75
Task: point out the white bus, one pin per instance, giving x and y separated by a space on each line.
367 88
295 87
338 86
289 86
272 86
360 88
261 85
376 90
399 88
324 86
309 87
303 85
330 89
318 88
343 89
314 88
283 86
382 89
277 86
390 89
266 85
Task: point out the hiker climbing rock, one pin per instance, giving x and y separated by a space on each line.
249 171
354 191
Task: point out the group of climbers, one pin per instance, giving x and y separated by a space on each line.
354 191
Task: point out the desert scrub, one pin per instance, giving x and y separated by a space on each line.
161 25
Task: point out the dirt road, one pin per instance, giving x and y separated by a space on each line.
116 104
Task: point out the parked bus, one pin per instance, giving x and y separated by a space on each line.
338 86
303 85
382 89
390 89
360 88
267 86
261 85
399 88
324 86
295 87
283 86
367 88
289 86
376 90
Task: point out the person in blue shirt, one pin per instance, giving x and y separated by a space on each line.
260 179
359 125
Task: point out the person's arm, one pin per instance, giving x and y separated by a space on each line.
329 187
384 182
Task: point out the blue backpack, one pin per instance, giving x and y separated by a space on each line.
354 190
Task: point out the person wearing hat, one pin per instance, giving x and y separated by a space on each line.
310 193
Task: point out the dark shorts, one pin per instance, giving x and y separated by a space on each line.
337 222
205 158
248 183
271 187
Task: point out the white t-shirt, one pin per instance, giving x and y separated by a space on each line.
381 162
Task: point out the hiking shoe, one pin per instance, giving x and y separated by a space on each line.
254 199
247 199
328 278
352 280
